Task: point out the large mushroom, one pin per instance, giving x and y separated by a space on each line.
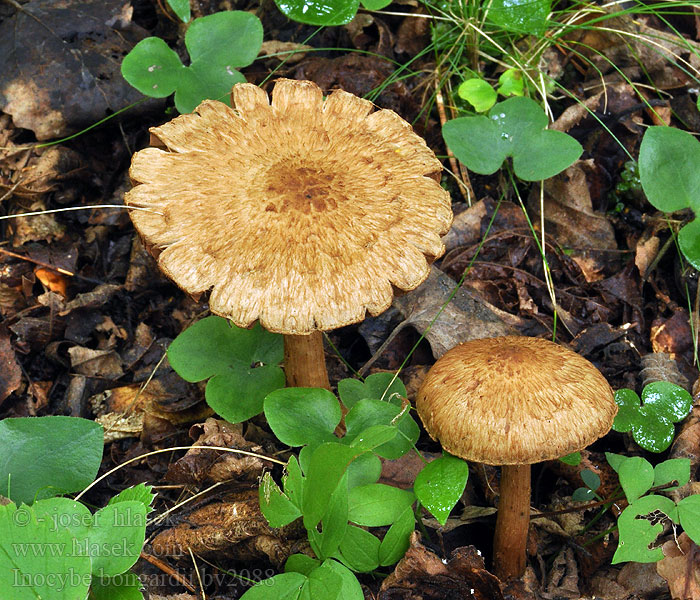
513 401
302 213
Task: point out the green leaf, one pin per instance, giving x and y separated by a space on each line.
301 563
651 422
367 413
299 416
583 494
440 485
689 242
615 460
376 4
47 456
31 549
637 533
126 586
376 504
571 459
511 83
366 468
689 516
324 583
374 436
293 482
359 549
520 16
668 401
674 469
276 507
334 522
327 467
378 386
153 68
218 44
350 588
140 493
181 8
285 586
241 365
116 537
397 538
327 13
636 477
591 479
516 128
668 160
478 93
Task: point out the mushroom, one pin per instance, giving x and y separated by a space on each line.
301 213
513 401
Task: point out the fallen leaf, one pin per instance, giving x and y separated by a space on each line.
680 568
10 373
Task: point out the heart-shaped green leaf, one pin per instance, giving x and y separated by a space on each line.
241 365
386 387
520 16
440 485
478 93
515 128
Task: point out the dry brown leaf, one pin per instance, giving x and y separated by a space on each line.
680 568
10 372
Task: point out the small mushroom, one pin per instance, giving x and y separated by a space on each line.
302 213
513 401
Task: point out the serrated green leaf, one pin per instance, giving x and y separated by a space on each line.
46 456
674 469
638 534
299 416
376 504
689 516
440 485
397 538
359 549
636 477
668 160
276 507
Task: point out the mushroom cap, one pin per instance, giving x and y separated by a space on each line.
514 400
301 213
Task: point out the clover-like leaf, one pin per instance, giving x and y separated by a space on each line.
386 387
241 365
651 419
218 45
371 413
517 128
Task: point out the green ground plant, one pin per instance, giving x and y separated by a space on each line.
53 546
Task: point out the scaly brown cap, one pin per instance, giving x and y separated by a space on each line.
514 400
302 213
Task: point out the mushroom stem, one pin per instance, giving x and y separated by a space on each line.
510 539
305 361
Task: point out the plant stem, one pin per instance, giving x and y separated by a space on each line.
510 539
305 361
